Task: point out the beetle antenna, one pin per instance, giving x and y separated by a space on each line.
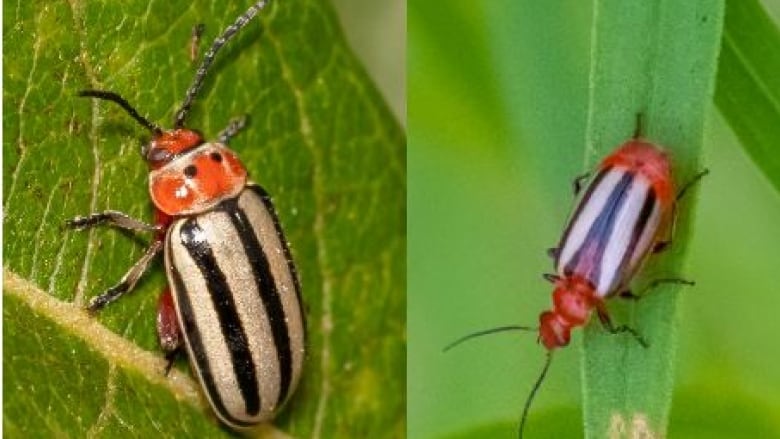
533 393
488 332
208 58
113 97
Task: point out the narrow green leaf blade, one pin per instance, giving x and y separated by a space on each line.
657 58
748 85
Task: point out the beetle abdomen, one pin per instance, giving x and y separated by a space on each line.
238 304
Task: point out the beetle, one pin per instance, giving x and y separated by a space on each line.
627 212
234 299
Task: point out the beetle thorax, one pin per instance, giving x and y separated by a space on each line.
573 300
197 180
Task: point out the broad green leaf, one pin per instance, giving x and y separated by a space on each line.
320 140
655 58
748 86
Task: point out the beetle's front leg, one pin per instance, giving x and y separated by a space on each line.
112 217
235 125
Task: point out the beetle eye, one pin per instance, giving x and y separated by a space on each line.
158 155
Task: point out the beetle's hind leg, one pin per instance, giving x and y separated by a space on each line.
168 331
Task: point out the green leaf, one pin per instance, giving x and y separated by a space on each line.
658 59
320 140
748 87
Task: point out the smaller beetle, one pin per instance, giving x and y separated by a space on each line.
627 212
233 300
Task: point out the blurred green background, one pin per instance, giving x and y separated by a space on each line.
376 31
497 96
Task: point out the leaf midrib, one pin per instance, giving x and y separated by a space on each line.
118 351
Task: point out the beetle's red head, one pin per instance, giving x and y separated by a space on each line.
553 331
168 144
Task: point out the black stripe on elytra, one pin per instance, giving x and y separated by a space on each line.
583 201
269 294
639 228
195 341
601 229
230 323
290 265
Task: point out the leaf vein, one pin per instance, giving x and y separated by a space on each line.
108 408
20 135
37 242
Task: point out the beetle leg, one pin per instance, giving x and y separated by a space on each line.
113 217
578 182
670 280
128 281
168 331
695 179
606 322
628 294
660 246
235 125
171 357
552 252
663 245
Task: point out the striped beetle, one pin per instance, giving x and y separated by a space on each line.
627 212
233 299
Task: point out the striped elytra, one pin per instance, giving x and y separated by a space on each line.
237 298
233 300
615 223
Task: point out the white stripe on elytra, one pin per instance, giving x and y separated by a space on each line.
581 225
617 243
